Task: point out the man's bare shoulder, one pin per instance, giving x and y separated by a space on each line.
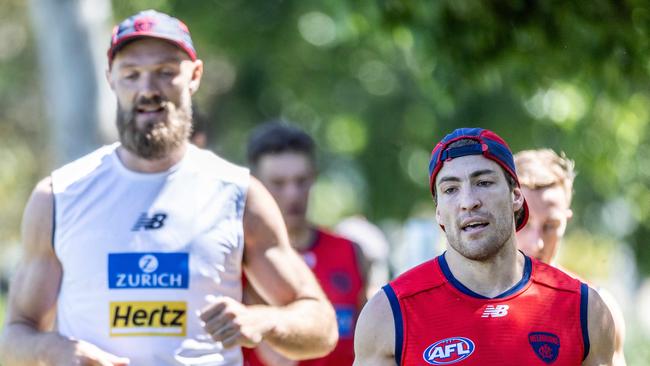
374 338
600 324
42 193
619 324
262 218
37 218
378 307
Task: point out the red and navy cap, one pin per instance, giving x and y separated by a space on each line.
153 24
490 145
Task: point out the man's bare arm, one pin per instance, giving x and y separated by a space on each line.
374 336
600 325
299 321
28 338
619 326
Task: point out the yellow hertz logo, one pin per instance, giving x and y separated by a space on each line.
148 318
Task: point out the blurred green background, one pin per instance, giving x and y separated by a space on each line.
377 83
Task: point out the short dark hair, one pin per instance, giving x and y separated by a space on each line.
275 137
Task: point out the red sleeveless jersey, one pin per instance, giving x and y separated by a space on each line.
542 320
333 260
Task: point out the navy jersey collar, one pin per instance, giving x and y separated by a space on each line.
528 266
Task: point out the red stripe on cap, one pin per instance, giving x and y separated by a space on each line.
494 137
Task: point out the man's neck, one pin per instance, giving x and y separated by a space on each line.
490 277
136 163
301 238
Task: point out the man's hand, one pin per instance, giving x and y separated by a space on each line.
232 323
86 354
271 358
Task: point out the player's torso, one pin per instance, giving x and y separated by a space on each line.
139 253
334 263
532 325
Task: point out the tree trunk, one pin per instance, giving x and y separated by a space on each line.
72 38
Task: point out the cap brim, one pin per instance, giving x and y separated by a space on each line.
125 40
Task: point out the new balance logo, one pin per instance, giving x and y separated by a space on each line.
497 311
149 223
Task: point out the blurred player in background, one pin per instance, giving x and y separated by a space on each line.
282 157
546 180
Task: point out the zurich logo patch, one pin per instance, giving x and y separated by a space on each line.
545 345
448 351
148 270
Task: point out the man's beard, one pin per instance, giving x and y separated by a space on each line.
486 247
158 137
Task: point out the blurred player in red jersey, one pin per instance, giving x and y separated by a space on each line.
546 180
482 302
282 157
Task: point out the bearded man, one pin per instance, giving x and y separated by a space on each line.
137 249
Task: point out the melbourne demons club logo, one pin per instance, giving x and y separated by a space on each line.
545 345
448 351
144 24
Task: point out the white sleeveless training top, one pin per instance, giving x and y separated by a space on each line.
140 252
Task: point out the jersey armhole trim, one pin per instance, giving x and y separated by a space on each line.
397 317
584 304
53 215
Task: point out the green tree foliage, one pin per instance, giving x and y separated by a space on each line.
377 82
559 74
23 131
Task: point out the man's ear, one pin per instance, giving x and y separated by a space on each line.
197 73
517 199
438 219
109 78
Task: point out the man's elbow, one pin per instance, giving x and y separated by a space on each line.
5 347
332 335
330 330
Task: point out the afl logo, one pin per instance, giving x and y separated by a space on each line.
148 263
448 351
